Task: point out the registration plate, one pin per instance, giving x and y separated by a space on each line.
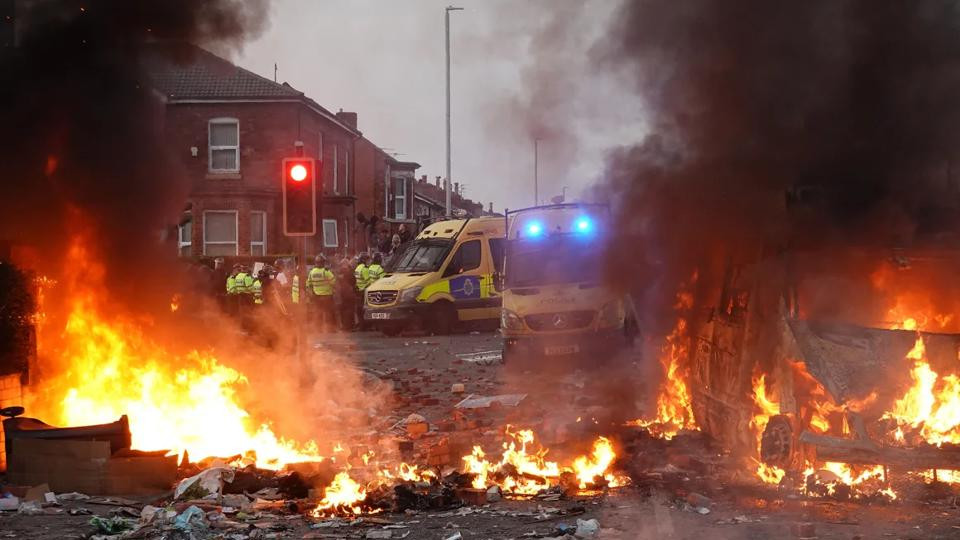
380 315
558 350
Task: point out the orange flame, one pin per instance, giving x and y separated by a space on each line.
523 468
674 404
174 402
343 495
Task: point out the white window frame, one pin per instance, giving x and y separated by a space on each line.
324 231
211 147
236 230
346 172
263 223
336 169
397 197
180 242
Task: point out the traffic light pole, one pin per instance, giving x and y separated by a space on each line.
303 311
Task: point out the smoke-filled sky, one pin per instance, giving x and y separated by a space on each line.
520 70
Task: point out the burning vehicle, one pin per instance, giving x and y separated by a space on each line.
810 360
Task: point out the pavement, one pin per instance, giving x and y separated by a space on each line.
566 406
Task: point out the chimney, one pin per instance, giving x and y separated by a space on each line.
438 181
423 179
348 118
456 187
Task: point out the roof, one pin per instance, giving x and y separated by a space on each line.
187 73
206 75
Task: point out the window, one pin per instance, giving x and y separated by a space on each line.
330 233
258 233
185 238
496 253
336 169
220 232
346 172
400 198
465 259
224 145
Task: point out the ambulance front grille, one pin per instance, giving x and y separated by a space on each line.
381 298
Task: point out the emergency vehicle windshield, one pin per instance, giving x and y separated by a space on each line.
422 256
552 261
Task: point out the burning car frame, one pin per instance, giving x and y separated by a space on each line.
804 361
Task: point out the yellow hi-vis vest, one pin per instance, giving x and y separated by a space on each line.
231 285
243 283
362 273
376 272
321 281
257 289
295 289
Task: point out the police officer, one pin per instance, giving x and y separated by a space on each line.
233 296
376 270
362 272
320 282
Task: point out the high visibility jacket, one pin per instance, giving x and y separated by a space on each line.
231 285
243 283
295 289
257 290
376 272
362 273
321 281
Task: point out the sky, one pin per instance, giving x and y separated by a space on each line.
520 69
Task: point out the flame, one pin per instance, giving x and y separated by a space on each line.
769 474
674 404
343 495
931 406
523 468
175 303
179 402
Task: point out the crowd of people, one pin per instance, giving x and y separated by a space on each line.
332 292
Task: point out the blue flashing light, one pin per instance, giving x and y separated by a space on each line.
534 229
583 225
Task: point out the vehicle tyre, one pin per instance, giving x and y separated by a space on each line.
443 318
776 443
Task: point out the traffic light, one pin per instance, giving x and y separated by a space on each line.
299 197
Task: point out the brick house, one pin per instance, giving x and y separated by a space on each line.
231 129
430 201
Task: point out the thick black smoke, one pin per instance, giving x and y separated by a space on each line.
80 128
784 123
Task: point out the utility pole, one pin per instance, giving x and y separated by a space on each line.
446 183
536 172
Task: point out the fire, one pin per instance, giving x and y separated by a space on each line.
343 495
930 408
179 402
523 468
767 473
674 403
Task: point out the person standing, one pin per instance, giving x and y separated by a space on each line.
347 290
362 276
375 269
320 282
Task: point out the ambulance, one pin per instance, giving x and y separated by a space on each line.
442 279
555 303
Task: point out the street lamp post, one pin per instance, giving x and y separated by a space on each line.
446 183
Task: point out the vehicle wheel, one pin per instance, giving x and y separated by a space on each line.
391 330
776 443
443 318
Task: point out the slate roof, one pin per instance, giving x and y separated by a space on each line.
186 72
207 76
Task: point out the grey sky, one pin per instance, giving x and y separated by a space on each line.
519 67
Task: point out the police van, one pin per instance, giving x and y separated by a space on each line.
555 302
441 279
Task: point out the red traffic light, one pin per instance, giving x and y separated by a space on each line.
298 173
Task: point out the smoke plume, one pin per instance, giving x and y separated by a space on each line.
82 131
775 124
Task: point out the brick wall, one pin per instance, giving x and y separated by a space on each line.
10 394
267 134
